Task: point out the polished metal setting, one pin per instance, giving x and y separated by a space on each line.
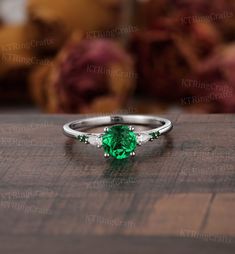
73 129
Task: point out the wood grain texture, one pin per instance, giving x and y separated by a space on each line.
61 196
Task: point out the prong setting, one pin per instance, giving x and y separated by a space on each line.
139 143
131 128
106 129
106 155
119 139
133 154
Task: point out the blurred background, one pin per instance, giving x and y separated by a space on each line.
114 56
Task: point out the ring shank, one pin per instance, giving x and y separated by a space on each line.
72 129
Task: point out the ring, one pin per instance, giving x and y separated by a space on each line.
119 138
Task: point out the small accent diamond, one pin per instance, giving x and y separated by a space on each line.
143 138
95 141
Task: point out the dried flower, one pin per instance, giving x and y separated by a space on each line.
89 76
218 70
178 41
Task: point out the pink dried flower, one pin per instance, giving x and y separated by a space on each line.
89 76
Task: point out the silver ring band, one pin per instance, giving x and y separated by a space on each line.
71 129
74 129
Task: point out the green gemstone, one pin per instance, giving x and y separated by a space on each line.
155 135
119 142
82 139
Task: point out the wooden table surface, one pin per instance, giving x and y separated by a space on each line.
59 196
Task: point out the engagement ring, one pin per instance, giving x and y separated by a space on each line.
119 138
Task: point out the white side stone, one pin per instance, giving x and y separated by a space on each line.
143 138
95 141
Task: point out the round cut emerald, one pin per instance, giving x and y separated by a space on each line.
119 141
